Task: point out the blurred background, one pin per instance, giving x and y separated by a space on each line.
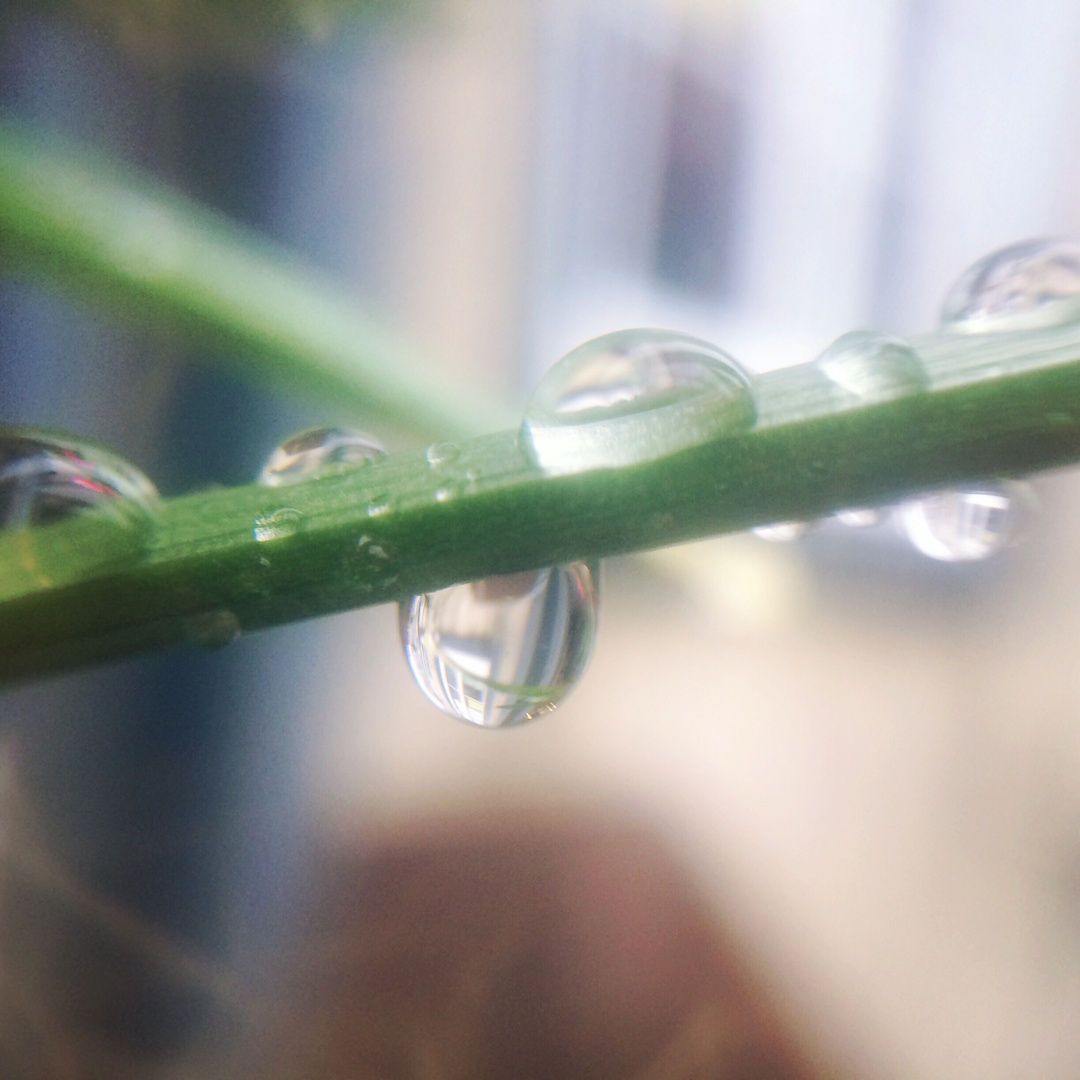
814 809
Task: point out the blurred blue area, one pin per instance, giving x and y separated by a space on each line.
502 183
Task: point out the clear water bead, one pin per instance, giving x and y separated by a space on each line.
280 524
498 652
47 478
966 524
442 453
1025 286
321 451
633 396
865 367
859 517
782 532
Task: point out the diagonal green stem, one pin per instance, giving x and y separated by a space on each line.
993 405
134 247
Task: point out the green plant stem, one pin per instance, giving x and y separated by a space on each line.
990 406
134 248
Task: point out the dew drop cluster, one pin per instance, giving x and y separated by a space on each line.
1032 285
503 650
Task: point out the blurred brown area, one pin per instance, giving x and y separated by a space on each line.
537 945
534 946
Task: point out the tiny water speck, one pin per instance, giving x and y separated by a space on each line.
442 453
967 524
1025 286
278 525
504 650
321 451
634 396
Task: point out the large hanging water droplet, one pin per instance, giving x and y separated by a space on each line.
865 367
503 650
1025 286
966 524
634 396
321 451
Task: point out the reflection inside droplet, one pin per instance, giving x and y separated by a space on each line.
321 451
966 524
633 396
1028 285
47 479
503 650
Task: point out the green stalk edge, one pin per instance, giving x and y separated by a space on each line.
994 405
137 250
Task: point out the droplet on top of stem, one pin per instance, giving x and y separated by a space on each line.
321 451
47 478
501 651
634 396
865 367
1025 286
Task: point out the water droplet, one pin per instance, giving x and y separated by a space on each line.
379 504
501 651
1028 285
447 492
213 629
859 517
782 531
633 396
46 478
866 367
443 453
966 524
321 451
278 525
